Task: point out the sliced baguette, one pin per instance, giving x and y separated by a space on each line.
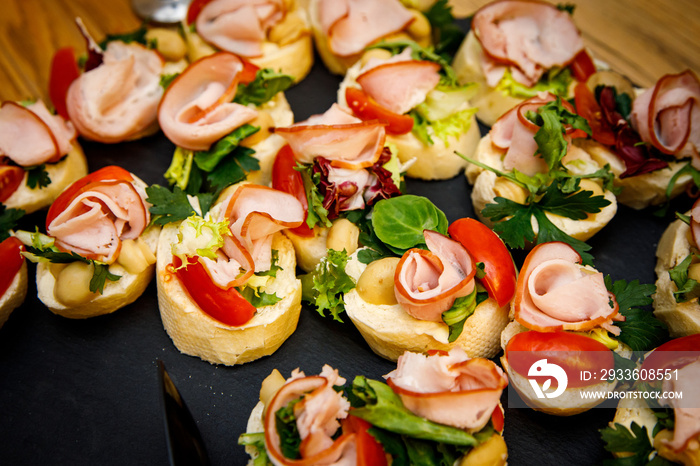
14 295
116 294
197 334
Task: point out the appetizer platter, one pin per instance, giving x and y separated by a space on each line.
84 391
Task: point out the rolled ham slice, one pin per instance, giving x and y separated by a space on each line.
338 136
668 115
426 283
687 409
449 389
399 84
118 100
254 213
554 292
529 36
197 108
317 417
239 26
352 25
99 217
695 222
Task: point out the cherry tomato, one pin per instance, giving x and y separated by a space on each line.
64 70
111 172
485 246
369 451
285 178
10 179
582 67
588 108
225 305
673 354
11 260
194 10
572 352
367 109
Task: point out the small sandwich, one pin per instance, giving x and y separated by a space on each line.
532 185
13 277
338 166
40 156
517 48
271 34
343 29
227 288
116 96
445 402
219 113
678 275
416 92
573 316
413 288
648 137
98 254
660 427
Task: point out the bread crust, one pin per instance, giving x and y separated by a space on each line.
675 245
14 295
197 334
115 295
390 331
62 174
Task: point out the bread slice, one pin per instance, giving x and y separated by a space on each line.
390 331
675 245
196 333
14 295
116 294
62 174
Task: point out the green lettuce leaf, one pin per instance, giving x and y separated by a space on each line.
264 87
325 285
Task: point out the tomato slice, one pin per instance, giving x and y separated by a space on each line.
588 108
367 109
369 451
285 178
249 71
110 172
11 260
498 419
64 70
485 246
582 67
194 9
674 354
10 179
225 305
572 352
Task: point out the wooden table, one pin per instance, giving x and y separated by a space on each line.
643 39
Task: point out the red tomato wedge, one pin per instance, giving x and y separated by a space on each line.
11 260
588 108
64 70
10 179
485 246
286 179
111 172
498 419
194 9
572 352
249 71
674 354
226 306
582 67
369 451
367 109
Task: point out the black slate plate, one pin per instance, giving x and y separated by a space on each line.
86 392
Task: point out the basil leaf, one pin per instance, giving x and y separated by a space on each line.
208 160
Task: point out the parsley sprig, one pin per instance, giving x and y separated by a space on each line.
556 191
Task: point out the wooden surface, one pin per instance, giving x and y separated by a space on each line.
643 39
